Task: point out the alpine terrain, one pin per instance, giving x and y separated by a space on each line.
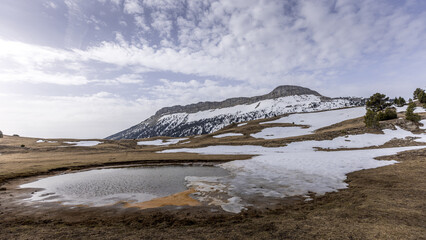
208 117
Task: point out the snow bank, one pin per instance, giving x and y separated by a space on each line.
228 135
84 143
159 142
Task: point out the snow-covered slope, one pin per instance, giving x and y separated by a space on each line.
203 118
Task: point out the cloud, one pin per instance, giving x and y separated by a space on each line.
132 7
251 41
50 4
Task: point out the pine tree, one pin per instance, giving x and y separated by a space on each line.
399 101
422 97
370 119
410 115
378 102
416 92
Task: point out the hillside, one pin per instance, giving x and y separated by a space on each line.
208 117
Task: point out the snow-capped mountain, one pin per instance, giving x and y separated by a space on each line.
208 117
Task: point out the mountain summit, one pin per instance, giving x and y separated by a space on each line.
207 117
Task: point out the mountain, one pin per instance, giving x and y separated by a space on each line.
208 117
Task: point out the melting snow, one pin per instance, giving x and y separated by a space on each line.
228 135
416 110
314 120
84 143
298 168
280 132
42 141
319 120
159 142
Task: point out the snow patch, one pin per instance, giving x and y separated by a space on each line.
280 132
84 143
416 110
319 120
228 135
424 124
42 141
314 120
160 142
241 124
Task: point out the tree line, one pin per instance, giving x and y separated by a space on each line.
380 108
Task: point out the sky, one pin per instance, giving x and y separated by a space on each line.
88 69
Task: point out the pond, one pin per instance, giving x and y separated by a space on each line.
101 187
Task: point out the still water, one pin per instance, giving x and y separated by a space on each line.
108 186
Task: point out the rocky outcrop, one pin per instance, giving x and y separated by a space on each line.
207 117
281 91
1 134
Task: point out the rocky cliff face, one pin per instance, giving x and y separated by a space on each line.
281 91
207 117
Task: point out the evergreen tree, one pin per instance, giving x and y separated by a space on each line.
416 92
421 96
370 119
410 115
399 102
389 113
378 110
378 102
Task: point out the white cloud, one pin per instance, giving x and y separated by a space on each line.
257 42
132 7
140 22
50 4
253 41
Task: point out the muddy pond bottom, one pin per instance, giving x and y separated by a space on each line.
102 187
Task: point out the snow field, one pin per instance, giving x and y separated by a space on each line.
315 120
